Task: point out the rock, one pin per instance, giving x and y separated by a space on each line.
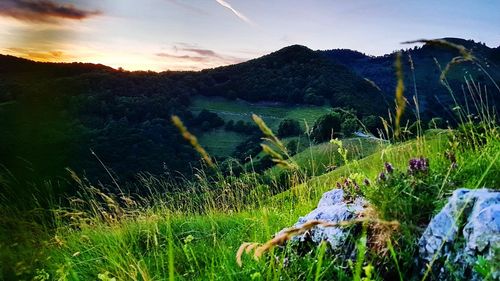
331 197
331 208
466 228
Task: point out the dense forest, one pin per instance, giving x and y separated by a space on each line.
86 116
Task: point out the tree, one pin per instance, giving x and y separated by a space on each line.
349 126
208 120
293 146
372 124
311 98
289 127
326 127
230 125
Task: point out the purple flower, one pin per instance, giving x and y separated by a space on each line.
388 167
366 182
382 177
347 182
416 165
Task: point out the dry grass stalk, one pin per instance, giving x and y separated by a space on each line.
287 234
400 99
192 140
379 233
282 159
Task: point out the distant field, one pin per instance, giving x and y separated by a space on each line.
272 113
222 143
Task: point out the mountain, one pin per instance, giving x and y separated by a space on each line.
422 73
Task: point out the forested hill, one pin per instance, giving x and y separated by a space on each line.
294 74
427 60
52 114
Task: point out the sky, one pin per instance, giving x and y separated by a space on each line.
164 35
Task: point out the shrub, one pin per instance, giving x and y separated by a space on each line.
349 126
372 124
408 197
326 127
208 120
289 127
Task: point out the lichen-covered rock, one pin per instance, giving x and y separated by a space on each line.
331 198
466 228
331 208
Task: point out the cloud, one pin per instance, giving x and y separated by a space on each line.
203 52
237 13
42 10
37 55
183 57
191 57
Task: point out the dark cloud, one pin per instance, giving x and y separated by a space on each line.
183 57
202 52
42 10
198 56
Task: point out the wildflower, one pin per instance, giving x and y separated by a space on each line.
388 167
416 165
339 186
188 239
366 182
382 176
347 182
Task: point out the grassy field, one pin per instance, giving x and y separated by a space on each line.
272 113
222 143
108 238
316 159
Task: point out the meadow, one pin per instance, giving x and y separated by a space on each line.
220 142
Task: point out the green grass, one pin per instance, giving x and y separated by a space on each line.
272 113
222 143
155 241
317 159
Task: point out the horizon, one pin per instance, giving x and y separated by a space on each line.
202 69
163 35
